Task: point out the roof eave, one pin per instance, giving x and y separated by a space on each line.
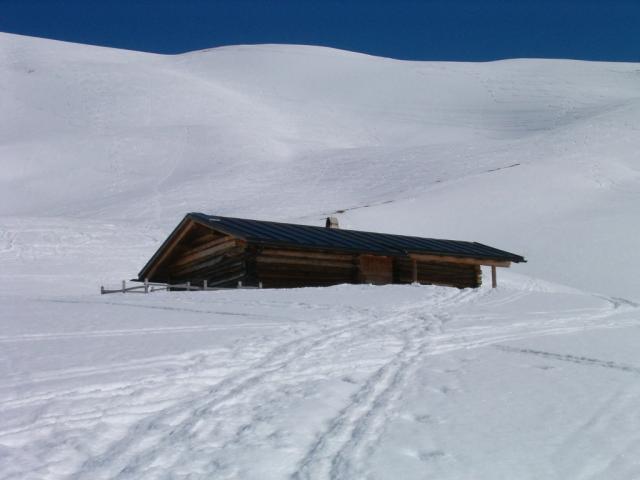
397 253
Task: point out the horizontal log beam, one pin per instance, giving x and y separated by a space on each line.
204 238
301 262
211 242
420 257
437 267
307 254
281 284
222 260
214 249
303 279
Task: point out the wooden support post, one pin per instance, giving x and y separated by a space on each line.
414 265
188 286
204 284
146 285
494 279
124 285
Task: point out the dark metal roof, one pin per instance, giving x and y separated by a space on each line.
293 235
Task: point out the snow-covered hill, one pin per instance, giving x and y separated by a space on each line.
536 156
102 152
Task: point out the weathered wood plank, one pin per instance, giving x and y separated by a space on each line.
209 271
227 280
209 242
437 273
464 261
216 248
230 254
261 260
304 273
205 237
304 278
298 284
306 254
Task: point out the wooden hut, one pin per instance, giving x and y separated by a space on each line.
223 251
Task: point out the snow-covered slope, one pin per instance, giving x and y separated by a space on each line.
345 383
103 151
536 156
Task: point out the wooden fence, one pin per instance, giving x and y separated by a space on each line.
149 287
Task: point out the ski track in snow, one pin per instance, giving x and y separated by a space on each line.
581 360
179 415
341 450
283 361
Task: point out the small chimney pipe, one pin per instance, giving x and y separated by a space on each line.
332 222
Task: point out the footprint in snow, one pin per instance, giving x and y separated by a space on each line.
427 456
349 380
423 418
544 367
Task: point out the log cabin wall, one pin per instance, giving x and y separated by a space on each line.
438 273
283 268
203 254
375 269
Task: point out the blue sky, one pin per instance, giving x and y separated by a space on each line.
421 30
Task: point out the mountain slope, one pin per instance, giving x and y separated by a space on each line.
536 156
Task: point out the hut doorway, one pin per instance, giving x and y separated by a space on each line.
376 269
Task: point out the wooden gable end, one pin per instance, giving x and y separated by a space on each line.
196 252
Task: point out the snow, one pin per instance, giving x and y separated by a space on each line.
103 151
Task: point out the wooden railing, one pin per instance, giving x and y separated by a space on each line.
149 287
